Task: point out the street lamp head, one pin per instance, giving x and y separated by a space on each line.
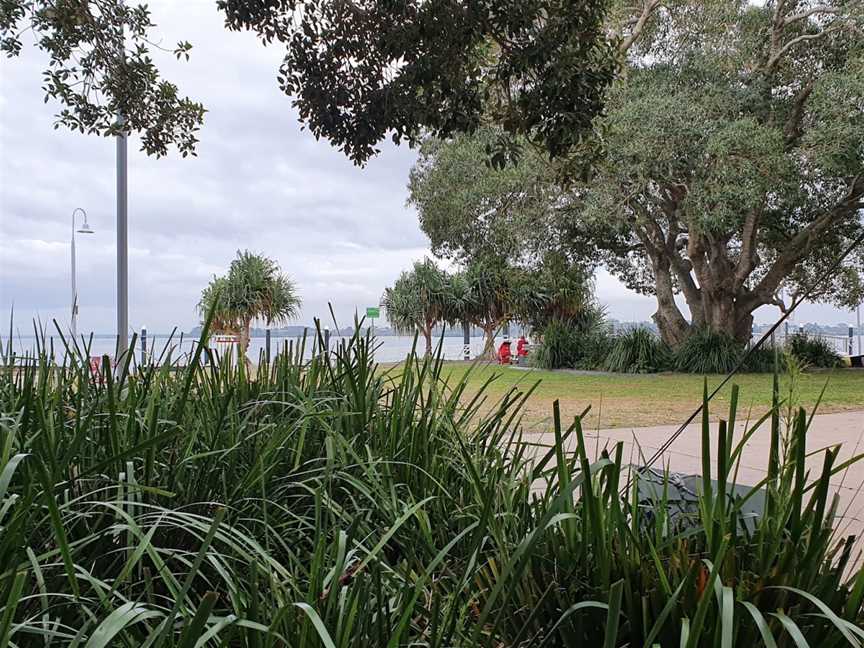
85 226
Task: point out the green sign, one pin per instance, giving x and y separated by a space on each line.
373 312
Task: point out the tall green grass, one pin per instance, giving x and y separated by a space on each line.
328 503
638 350
813 350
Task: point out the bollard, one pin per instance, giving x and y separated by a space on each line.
327 340
267 345
143 345
858 322
466 340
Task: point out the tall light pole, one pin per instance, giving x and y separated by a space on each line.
122 245
84 229
122 229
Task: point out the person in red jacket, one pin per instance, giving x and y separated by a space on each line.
504 354
521 348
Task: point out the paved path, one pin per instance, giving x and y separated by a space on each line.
826 430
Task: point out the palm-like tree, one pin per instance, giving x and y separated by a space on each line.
557 290
418 300
255 289
490 288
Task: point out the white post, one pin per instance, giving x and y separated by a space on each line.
859 328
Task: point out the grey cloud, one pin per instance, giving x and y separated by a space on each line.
259 182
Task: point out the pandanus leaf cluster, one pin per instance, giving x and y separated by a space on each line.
254 289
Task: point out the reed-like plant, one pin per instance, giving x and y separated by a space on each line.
813 350
638 350
330 503
708 352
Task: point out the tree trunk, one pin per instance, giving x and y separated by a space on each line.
727 317
721 314
673 328
427 336
243 339
489 341
243 336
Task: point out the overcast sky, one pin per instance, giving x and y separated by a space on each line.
258 183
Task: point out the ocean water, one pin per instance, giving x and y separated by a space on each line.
388 348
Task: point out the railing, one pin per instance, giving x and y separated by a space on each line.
846 345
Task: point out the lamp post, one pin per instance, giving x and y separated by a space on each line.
84 229
122 225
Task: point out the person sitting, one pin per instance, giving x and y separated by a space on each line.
521 349
504 354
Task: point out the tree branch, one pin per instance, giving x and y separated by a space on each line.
774 59
749 259
820 9
800 245
791 130
648 8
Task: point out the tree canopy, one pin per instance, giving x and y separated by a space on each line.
254 289
729 164
470 210
364 70
100 64
733 159
418 300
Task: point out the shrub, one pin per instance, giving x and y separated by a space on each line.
596 345
581 344
707 352
812 350
330 503
766 359
560 346
638 351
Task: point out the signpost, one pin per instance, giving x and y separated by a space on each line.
373 312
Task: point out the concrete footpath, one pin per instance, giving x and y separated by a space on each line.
826 430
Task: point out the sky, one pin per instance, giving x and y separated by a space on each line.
259 182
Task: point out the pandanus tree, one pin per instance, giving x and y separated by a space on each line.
556 290
490 297
418 300
255 289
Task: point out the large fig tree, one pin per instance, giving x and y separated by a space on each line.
733 159
727 169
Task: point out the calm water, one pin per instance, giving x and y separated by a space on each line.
389 348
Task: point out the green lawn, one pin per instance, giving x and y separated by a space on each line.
621 400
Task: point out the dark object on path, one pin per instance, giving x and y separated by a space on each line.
857 361
682 500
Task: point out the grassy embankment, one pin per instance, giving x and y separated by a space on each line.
636 400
